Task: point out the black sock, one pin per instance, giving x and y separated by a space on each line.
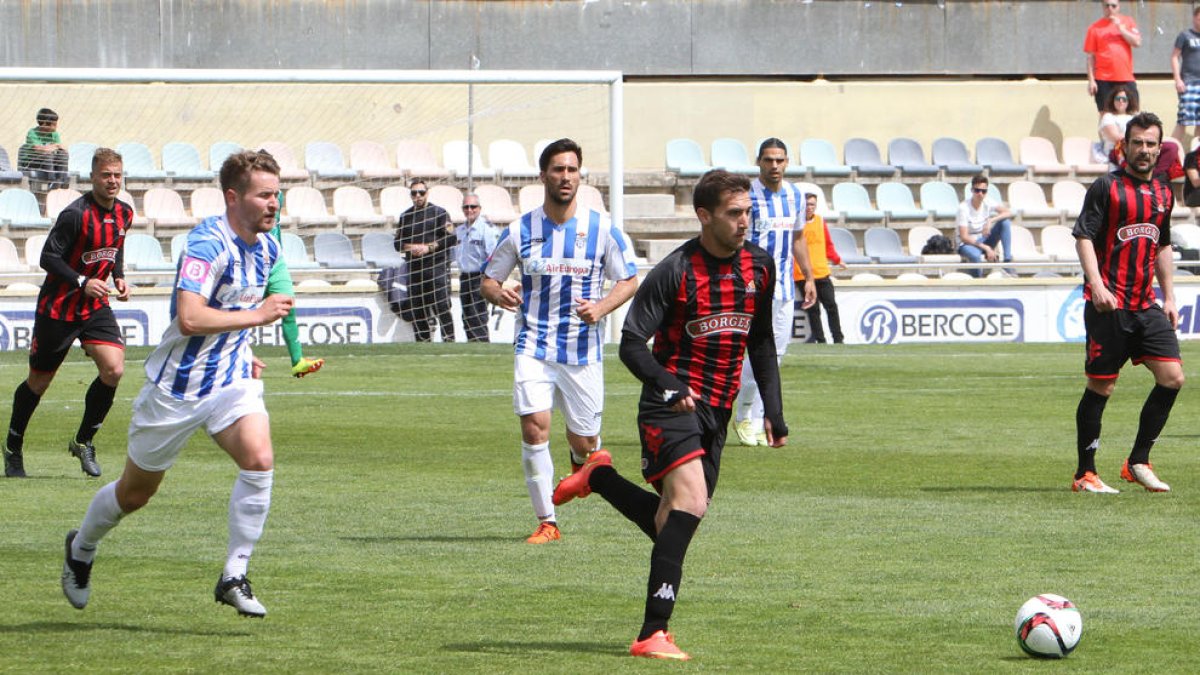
1154 417
97 402
666 570
635 503
24 403
1087 428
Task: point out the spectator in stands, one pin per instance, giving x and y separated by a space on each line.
981 225
42 155
1185 65
1191 183
425 235
476 241
1109 47
820 253
1119 107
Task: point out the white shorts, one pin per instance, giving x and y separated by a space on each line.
162 424
784 318
577 392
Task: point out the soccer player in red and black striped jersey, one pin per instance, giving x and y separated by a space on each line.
706 305
1123 236
85 247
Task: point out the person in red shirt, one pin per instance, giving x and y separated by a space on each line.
820 253
1109 47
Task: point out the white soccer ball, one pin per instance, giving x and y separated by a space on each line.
1048 626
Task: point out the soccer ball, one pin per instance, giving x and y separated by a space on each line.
1048 626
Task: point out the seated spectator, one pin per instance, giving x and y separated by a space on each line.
1120 107
43 156
981 225
1191 181
1168 167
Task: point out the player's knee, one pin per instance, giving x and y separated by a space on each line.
134 498
112 374
1172 380
39 382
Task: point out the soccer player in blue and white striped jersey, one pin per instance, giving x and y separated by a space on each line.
777 225
565 252
202 374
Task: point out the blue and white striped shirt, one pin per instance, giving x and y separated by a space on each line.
561 264
231 276
775 218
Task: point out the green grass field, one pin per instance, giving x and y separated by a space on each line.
922 498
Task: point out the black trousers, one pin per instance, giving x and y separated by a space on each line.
429 301
825 297
474 307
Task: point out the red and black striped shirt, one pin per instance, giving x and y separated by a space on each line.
1127 220
704 313
86 240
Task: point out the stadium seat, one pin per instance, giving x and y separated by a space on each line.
530 197
823 209
79 158
181 161
819 156
1185 235
325 161
139 163
450 198
907 154
995 154
305 206
730 154
289 169
370 160
295 253
59 199
911 276
10 261
846 247
853 203
8 174
496 203
334 250
1059 243
139 219
883 245
508 157
352 205
866 276
863 155
1077 154
1029 200
918 236
394 200
416 159
1067 195
1024 248
379 250
951 154
957 276
33 251
143 253
455 158
940 200
1039 153
589 196
896 200
219 151
685 157
314 284
19 209
178 243
164 206
207 201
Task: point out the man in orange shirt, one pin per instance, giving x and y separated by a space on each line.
1109 47
820 253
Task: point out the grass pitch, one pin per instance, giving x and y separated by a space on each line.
922 498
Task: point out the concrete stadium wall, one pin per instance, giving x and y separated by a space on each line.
659 38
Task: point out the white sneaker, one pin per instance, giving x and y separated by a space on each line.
76 577
235 592
1143 474
745 433
1090 482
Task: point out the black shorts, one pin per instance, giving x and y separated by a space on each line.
670 439
1120 335
52 339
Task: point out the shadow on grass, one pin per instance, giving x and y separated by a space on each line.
989 488
524 648
75 628
431 539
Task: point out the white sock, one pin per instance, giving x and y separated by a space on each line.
102 515
580 460
248 507
539 474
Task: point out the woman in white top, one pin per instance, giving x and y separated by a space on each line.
1120 107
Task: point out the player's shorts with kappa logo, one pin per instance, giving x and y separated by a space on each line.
52 338
671 438
1126 335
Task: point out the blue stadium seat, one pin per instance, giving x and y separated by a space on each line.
846 247
731 155
19 209
334 249
951 154
181 161
79 158
379 249
995 154
896 200
863 155
139 163
325 160
219 151
907 154
685 157
295 253
939 199
818 155
852 201
883 245
7 173
143 253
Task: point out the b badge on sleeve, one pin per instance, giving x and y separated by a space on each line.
194 269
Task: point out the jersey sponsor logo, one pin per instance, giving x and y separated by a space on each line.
581 239
725 322
776 223
194 269
99 255
241 295
1146 230
568 267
